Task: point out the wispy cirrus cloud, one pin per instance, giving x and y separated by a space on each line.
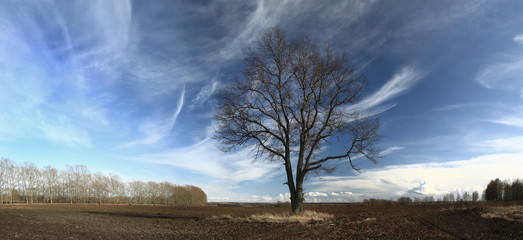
449 107
204 94
157 128
516 121
52 67
503 74
205 159
502 145
61 129
400 83
504 71
508 115
265 15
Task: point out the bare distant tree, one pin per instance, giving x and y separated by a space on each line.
100 186
153 192
494 191
117 188
3 176
458 197
428 199
293 100
475 196
517 190
50 178
76 184
466 197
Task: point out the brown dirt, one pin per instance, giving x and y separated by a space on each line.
158 222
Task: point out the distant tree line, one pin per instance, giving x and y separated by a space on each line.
77 185
465 197
399 201
449 197
498 190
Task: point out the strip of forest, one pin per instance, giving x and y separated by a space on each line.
76 184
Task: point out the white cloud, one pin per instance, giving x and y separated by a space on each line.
401 82
204 94
391 150
518 38
61 129
157 128
515 121
383 153
505 73
317 194
450 107
428 178
506 145
265 16
204 158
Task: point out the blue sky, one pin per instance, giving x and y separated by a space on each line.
127 87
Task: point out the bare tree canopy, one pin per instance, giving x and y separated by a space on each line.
76 184
293 99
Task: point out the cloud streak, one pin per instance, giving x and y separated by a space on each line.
204 158
518 38
60 129
400 83
504 72
157 129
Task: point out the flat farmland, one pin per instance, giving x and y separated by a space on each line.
431 221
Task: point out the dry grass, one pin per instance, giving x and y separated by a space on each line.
304 217
513 213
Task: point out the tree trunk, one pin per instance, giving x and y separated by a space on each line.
297 200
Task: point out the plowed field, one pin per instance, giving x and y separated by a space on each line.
434 221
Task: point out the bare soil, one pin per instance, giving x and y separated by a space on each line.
434 221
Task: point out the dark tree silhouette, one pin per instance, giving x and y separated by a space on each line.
293 99
494 191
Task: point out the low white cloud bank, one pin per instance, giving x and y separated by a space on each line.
422 179
391 182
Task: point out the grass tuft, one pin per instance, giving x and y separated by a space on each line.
304 217
514 213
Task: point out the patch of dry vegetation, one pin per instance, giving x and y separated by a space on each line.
305 217
512 213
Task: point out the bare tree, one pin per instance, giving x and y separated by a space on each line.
467 197
50 176
117 188
293 100
76 184
475 196
3 176
517 190
100 186
494 191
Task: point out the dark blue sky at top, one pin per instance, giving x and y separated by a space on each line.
127 87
